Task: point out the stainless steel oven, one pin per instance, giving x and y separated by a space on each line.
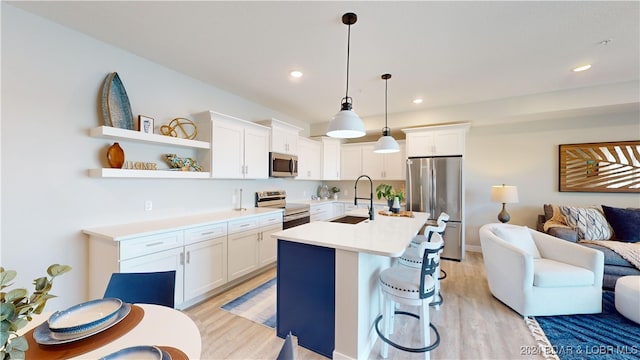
294 214
283 165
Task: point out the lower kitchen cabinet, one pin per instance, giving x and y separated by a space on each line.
166 260
205 261
204 257
252 248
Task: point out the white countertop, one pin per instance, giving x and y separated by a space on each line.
385 235
124 231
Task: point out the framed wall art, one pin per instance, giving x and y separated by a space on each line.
600 167
145 124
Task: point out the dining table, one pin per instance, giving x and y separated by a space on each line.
146 324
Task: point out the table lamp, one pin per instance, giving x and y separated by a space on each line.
506 195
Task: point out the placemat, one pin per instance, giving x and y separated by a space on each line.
401 213
75 348
176 354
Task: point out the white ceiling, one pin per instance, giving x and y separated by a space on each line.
445 52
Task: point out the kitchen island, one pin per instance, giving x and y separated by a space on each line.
327 292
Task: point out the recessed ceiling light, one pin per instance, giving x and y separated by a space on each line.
296 74
582 68
417 101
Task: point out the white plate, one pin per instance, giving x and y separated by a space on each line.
44 336
84 317
143 352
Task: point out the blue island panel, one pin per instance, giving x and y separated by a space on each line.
306 295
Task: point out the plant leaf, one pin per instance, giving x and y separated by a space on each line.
15 294
57 269
6 276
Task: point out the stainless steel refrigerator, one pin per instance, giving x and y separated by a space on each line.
434 185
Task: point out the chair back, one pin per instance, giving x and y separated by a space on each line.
441 225
430 261
143 288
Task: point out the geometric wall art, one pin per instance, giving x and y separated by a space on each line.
600 167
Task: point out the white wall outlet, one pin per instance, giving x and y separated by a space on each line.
148 205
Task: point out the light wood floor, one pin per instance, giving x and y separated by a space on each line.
471 322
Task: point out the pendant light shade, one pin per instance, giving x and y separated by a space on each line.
386 143
346 124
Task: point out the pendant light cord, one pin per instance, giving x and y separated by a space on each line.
346 95
386 81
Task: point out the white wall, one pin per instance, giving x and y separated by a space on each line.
51 81
526 155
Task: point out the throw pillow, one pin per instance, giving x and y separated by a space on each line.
625 223
520 237
590 223
556 219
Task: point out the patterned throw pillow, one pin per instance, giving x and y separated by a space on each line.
590 223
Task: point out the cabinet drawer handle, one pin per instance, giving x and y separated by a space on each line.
244 225
208 233
155 243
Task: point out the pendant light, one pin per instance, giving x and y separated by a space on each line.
346 124
386 143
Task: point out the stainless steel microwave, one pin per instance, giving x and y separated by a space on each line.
283 165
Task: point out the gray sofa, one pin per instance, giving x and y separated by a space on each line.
615 266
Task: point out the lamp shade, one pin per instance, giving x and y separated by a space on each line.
386 144
346 124
504 194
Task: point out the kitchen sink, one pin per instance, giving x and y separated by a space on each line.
349 219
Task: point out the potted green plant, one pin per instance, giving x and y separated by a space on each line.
335 190
386 191
17 306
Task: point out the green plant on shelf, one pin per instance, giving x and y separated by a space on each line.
17 306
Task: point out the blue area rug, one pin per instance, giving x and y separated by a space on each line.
607 335
257 305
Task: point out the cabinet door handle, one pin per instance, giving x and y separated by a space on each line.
155 243
181 258
188 257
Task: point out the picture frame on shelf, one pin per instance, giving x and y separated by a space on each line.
145 124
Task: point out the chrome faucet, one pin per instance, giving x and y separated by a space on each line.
370 198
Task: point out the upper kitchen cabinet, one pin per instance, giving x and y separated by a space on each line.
239 148
284 137
350 161
330 158
384 166
358 158
309 159
436 140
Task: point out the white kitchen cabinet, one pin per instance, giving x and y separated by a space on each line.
205 259
204 256
250 245
309 159
350 161
330 158
166 260
383 166
338 209
284 137
436 140
321 212
239 148
268 246
359 158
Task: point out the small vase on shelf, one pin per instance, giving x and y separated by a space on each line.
115 156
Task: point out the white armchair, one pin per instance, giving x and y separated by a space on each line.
537 274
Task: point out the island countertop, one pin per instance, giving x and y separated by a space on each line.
385 235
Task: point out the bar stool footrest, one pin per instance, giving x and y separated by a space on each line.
437 302
430 347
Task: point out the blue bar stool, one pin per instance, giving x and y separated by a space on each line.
409 286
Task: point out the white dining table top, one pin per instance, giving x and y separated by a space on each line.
160 326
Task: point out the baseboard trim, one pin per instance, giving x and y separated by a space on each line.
473 248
